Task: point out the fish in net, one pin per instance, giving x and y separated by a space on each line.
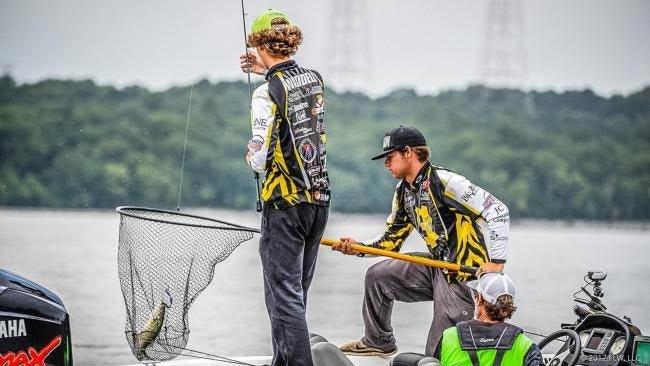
165 259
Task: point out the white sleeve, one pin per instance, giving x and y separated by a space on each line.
262 121
476 201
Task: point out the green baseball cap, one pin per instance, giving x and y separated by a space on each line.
263 21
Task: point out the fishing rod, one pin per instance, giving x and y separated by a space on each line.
405 257
187 128
256 175
201 355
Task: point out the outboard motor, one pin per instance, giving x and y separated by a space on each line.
34 324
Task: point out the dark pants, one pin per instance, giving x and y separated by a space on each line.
391 280
288 249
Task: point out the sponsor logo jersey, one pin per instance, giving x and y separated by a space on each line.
289 139
459 221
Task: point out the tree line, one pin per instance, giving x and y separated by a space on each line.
569 155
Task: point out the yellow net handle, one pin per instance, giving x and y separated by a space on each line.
405 257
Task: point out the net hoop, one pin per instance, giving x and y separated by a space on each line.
165 259
140 213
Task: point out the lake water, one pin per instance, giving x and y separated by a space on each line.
73 253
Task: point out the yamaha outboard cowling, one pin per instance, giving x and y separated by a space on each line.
34 324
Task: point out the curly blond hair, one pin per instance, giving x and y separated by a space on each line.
282 40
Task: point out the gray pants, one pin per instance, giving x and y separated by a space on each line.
391 280
288 249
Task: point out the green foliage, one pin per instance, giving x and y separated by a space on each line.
77 144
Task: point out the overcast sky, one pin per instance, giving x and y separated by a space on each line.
430 45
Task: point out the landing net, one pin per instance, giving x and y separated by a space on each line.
165 259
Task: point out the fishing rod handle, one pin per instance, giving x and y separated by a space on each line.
258 201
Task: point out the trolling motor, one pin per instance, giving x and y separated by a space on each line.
34 324
593 279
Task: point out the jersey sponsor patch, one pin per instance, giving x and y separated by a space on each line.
307 150
489 200
300 117
321 196
303 132
425 185
300 80
499 209
409 200
314 171
256 143
471 191
319 108
297 107
260 122
501 218
317 89
295 95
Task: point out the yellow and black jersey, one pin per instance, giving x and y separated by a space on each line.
459 221
288 143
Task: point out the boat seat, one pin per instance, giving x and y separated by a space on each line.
327 354
324 353
414 359
315 338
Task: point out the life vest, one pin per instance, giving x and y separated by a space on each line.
484 344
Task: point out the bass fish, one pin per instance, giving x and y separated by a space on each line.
152 327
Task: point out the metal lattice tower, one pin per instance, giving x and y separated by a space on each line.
504 59
7 69
348 49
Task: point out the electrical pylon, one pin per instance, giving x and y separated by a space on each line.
504 61
349 61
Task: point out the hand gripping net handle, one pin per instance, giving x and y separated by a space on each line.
167 257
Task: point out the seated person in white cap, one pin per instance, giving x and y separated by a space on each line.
487 339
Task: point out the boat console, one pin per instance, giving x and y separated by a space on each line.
596 338
606 339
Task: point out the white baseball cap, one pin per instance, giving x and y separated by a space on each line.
491 285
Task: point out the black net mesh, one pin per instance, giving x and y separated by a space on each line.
165 259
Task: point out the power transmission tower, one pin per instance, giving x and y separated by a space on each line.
7 69
504 63
349 66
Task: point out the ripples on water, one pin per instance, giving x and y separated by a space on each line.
74 254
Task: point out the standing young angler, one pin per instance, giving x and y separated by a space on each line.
288 144
459 221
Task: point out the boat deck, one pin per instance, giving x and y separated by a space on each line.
261 360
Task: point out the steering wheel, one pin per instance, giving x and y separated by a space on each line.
568 353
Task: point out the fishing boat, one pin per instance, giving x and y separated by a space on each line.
595 338
33 318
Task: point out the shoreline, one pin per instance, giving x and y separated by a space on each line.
627 225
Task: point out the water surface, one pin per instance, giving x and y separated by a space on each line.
74 253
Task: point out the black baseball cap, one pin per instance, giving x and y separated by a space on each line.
399 138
